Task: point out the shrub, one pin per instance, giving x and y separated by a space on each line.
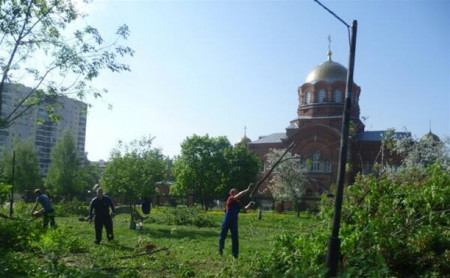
186 216
398 223
16 234
74 207
393 226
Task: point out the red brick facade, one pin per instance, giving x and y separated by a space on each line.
317 129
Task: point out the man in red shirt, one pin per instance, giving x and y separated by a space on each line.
230 220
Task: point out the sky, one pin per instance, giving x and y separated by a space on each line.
222 68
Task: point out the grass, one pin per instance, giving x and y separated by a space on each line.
179 251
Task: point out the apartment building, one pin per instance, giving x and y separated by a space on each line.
36 124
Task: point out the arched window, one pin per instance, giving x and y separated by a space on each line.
337 96
322 95
307 97
315 161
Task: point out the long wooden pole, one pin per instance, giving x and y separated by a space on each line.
255 187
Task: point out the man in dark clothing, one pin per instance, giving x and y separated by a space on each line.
230 220
47 209
100 207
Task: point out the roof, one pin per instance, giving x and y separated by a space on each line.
244 141
430 136
378 135
272 138
328 71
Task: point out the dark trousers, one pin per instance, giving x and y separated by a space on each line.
49 216
233 227
99 223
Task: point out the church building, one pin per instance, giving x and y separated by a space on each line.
316 131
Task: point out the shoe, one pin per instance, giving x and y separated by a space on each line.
96 242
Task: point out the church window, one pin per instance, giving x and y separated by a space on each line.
338 96
328 166
307 97
315 161
322 95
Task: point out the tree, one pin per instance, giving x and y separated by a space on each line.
26 165
423 152
133 171
64 169
201 168
36 49
209 167
243 166
289 180
394 223
89 175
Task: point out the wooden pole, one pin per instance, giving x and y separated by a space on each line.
255 187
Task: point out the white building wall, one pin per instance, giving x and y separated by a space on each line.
35 124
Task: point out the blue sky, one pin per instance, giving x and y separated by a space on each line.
213 67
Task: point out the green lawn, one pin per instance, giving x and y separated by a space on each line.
180 251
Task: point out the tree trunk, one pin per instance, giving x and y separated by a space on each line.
132 222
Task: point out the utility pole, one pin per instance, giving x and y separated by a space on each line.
334 242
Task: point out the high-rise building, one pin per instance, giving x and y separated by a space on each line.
36 125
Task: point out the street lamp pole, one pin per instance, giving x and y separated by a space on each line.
334 241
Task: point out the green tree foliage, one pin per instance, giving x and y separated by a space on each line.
243 166
89 175
289 181
26 166
36 49
399 222
64 169
5 190
133 171
208 167
201 167
394 224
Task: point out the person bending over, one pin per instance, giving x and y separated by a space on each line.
47 208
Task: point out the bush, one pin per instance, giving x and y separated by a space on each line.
394 226
186 216
398 223
296 255
74 207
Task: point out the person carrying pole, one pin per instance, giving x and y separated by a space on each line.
230 220
233 207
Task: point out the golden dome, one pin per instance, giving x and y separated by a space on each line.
430 136
244 141
328 71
